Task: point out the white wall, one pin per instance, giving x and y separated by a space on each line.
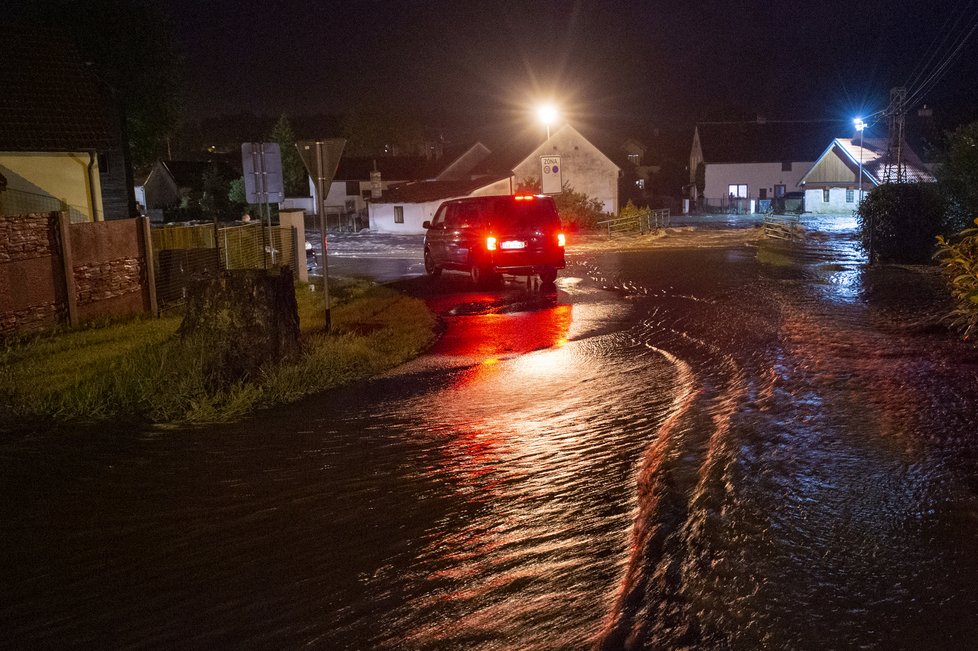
836 204
382 217
719 176
582 165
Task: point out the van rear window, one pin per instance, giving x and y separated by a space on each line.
525 214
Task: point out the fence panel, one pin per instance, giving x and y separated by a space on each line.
183 254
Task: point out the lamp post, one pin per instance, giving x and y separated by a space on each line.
860 125
547 114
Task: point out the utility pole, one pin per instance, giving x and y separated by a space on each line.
895 170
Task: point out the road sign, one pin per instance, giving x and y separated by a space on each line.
321 158
551 175
262 163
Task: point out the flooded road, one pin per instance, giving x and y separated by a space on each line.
714 448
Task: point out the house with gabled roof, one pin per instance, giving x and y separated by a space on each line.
404 208
735 163
61 142
584 167
831 184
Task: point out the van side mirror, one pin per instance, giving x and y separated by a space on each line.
426 224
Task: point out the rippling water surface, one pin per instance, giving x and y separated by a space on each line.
729 448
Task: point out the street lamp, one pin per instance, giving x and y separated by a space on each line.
860 125
548 115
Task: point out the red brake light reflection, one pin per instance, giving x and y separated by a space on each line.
524 197
490 243
561 240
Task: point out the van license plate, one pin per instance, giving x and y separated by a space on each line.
513 244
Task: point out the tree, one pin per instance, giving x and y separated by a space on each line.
900 221
958 177
294 175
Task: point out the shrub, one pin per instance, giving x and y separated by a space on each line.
899 221
959 261
958 177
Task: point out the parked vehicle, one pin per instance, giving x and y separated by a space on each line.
490 236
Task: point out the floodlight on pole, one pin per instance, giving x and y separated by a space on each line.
860 125
548 115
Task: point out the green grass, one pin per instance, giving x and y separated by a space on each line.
140 371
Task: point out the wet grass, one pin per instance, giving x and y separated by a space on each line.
140 371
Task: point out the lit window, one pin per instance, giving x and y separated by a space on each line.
398 214
850 195
633 159
825 195
737 191
640 184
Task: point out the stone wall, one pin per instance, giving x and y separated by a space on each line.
52 272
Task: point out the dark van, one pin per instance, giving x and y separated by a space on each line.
489 236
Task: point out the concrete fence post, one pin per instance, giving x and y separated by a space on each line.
67 266
150 261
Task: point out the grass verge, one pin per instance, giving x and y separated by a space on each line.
140 371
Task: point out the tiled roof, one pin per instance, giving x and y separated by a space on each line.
49 99
873 153
425 191
765 142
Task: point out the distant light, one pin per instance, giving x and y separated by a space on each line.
860 125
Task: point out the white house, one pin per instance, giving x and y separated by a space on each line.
832 185
584 168
403 209
737 162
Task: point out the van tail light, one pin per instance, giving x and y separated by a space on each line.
490 243
561 240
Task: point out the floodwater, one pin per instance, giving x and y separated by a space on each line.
748 447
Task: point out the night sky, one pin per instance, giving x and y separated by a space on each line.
664 62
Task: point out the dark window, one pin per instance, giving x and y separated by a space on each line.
779 191
352 188
398 214
762 193
825 195
103 163
786 166
850 196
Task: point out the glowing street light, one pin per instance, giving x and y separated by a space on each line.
547 113
860 125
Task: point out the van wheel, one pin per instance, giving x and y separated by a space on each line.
482 275
548 276
430 267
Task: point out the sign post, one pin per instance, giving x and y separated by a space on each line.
551 175
321 158
262 165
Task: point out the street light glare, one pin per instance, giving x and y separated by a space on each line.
547 114
860 125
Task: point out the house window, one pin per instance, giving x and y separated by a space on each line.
825 195
352 188
762 193
779 191
640 184
634 159
398 214
786 166
103 164
850 195
737 191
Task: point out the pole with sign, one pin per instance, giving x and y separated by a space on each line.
321 158
550 175
262 166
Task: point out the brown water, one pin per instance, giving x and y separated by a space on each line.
726 450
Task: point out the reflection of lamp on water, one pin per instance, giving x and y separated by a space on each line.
548 115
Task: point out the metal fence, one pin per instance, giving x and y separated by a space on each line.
645 222
183 254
